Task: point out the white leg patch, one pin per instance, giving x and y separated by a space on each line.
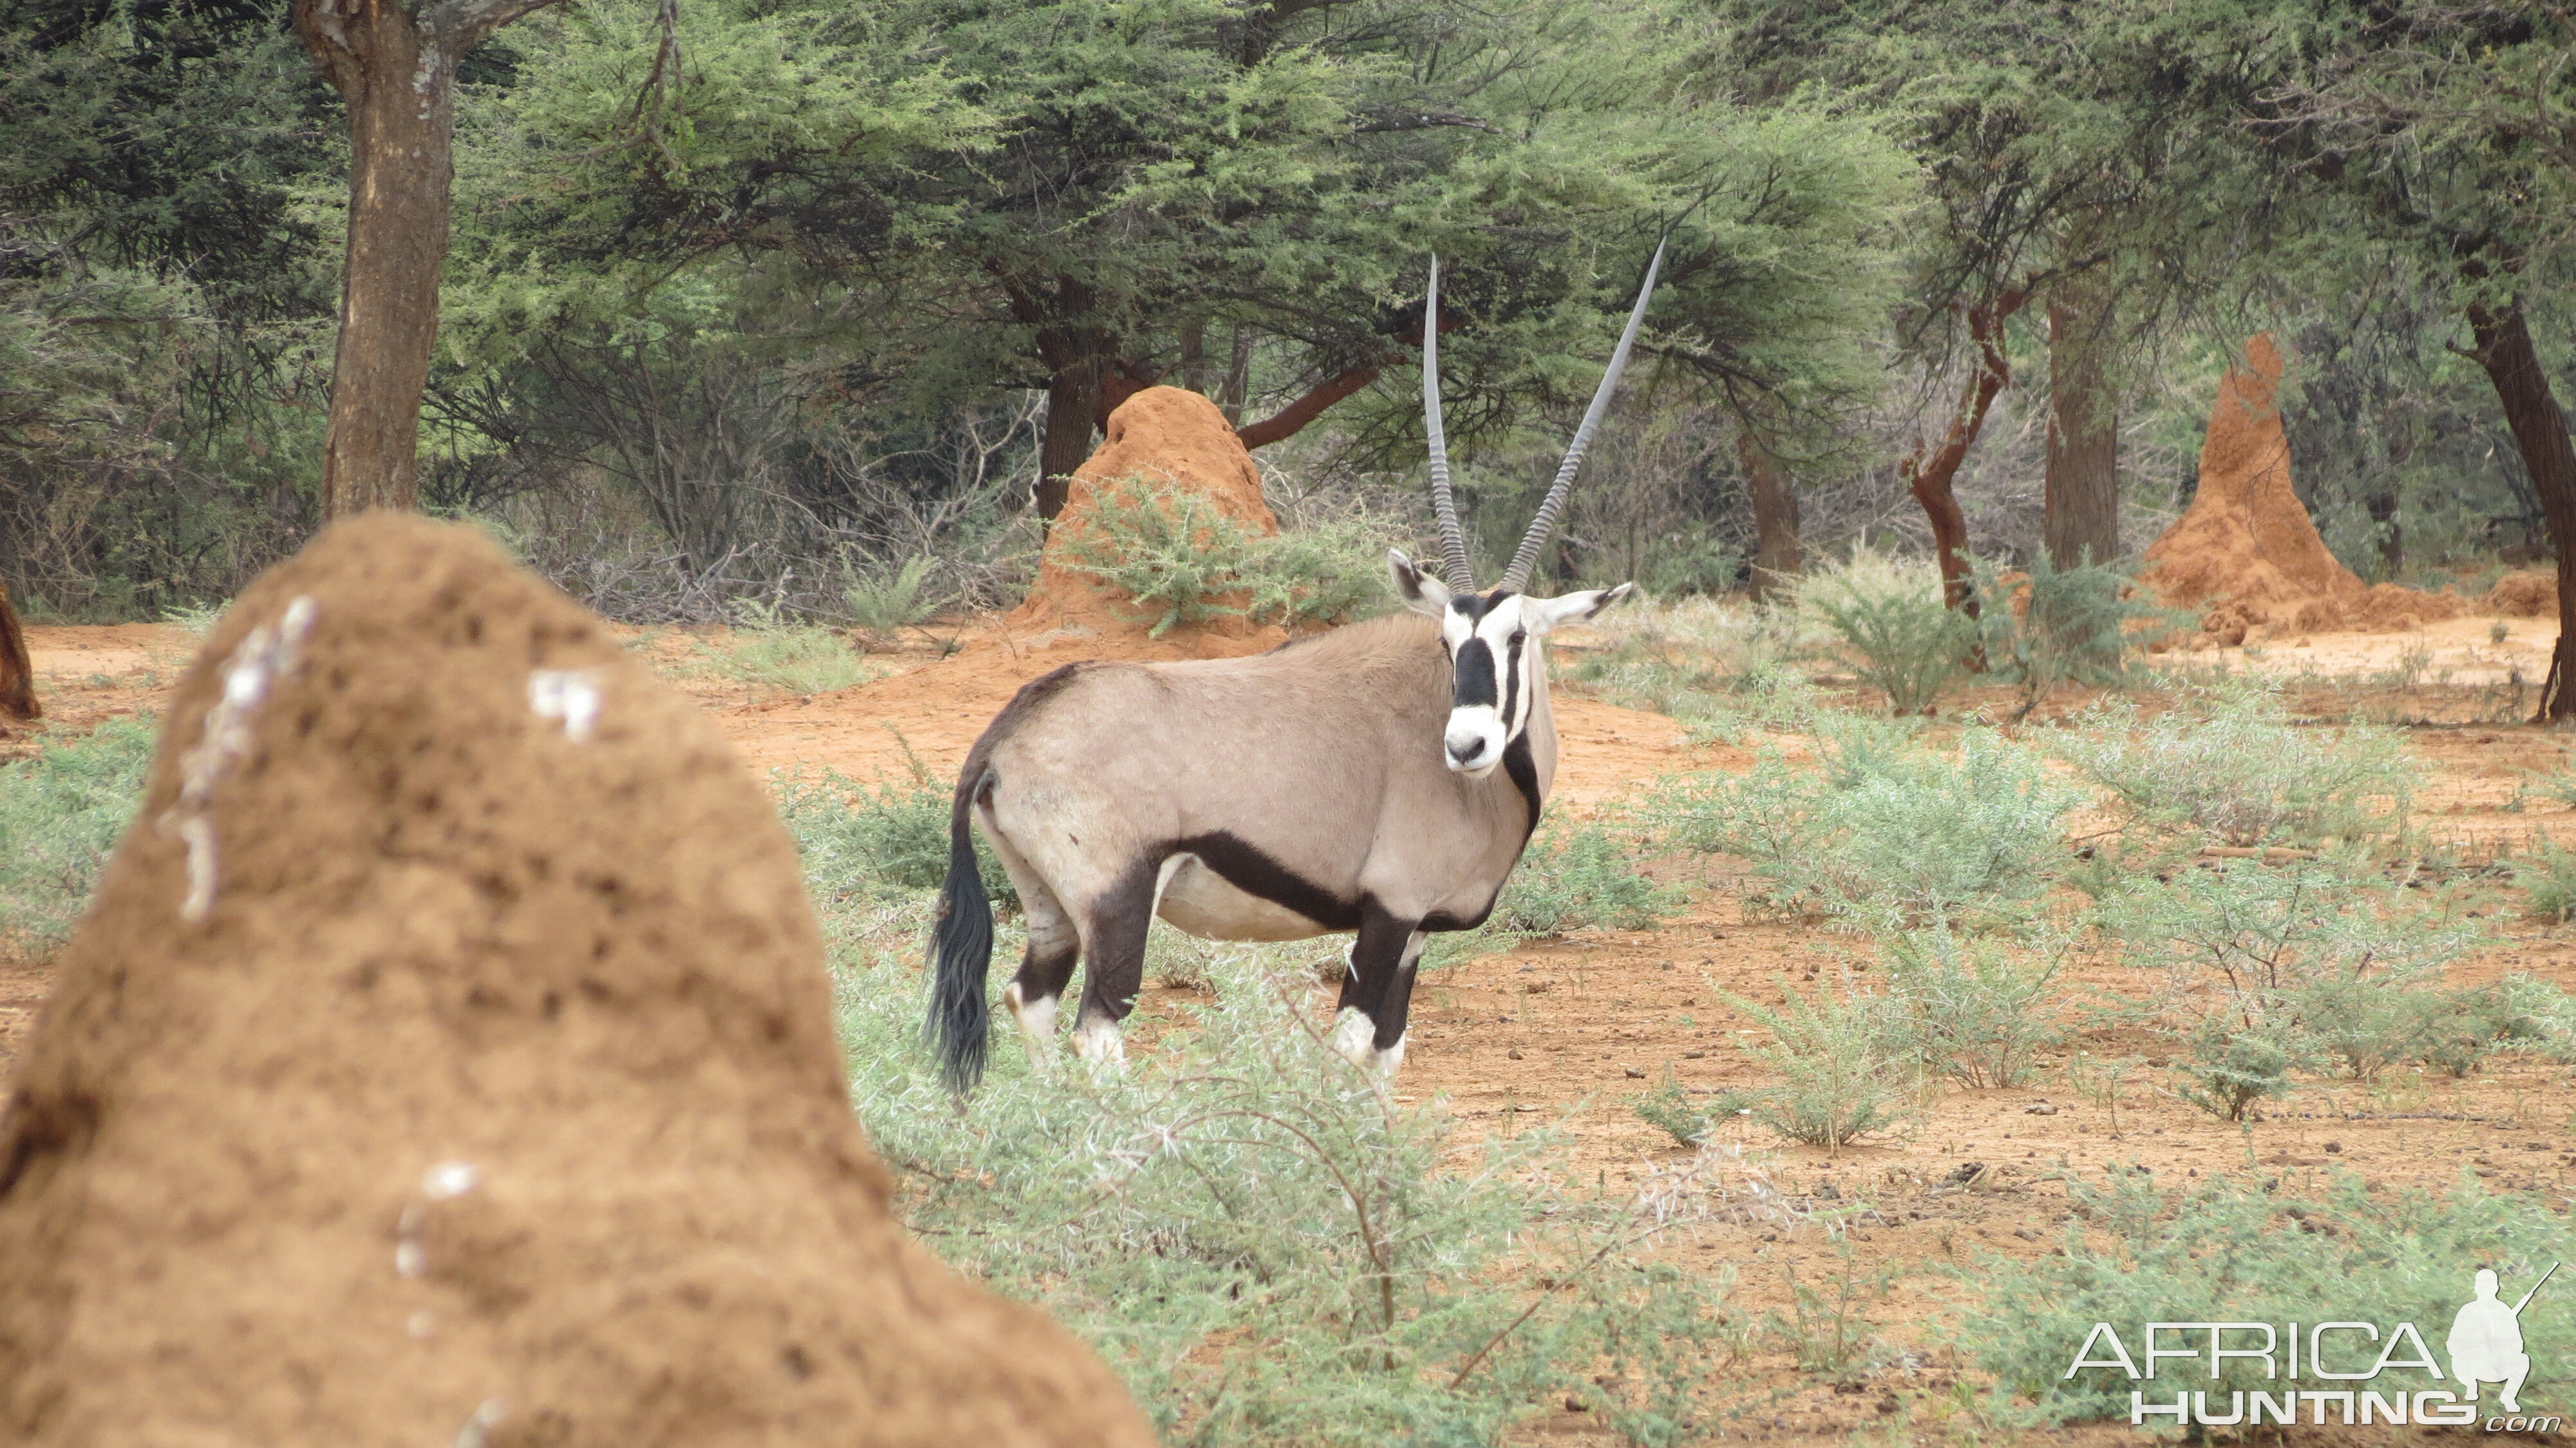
1099 1041
1391 1060
1032 1018
1035 1021
1355 1036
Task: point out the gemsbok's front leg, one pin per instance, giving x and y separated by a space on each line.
1369 1025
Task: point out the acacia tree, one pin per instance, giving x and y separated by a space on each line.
1087 198
2062 154
396 68
1278 172
2441 130
158 287
1983 126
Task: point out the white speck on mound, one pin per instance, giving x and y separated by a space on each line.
448 1179
264 656
478 1429
571 695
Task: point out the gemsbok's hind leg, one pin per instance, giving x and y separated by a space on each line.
1055 946
1380 981
1113 950
1045 969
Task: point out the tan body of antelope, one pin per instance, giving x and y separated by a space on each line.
1379 779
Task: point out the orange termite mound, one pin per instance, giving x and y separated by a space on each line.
2246 553
448 1057
1169 437
2523 595
17 676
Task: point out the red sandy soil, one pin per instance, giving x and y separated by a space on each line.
1553 1032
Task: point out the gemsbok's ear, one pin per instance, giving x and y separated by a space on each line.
1538 615
1420 591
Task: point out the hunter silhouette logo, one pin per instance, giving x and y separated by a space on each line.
2486 1340
2361 1375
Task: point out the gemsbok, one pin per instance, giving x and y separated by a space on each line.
1382 778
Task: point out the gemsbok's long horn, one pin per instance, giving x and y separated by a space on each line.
1453 545
1516 577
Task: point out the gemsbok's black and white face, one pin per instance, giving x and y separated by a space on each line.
1492 640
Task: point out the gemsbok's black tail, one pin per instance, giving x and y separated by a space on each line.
961 947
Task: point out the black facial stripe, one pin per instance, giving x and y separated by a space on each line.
1249 869
1474 606
1512 681
1475 674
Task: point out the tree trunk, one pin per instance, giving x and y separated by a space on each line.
1073 412
1928 478
2540 432
1194 355
1775 518
17 675
2082 522
2392 534
1232 393
398 75
1288 421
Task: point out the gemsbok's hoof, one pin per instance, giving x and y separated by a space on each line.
1100 1044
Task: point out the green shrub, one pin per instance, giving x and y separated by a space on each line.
2050 626
776 656
1896 632
1719 666
2237 771
2517 1013
1583 874
1670 1108
2229 1063
2548 882
2256 931
1700 564
877 842
1974 838
2236 1250
1265 1243
882 605
1760 815
61 814
2532 1015
2279 968
199 619
1973 1010
1842 1063
1886 833
2367 1025
1186 561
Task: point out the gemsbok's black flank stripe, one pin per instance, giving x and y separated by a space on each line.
1247 868
1524 775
